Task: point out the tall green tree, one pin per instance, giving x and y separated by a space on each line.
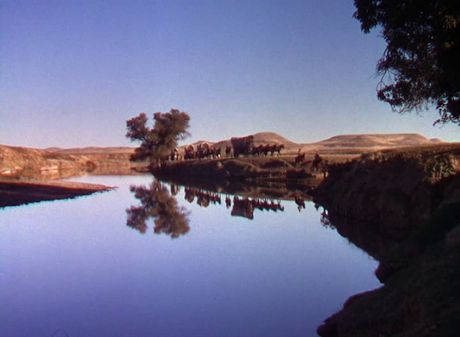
420 67
157 142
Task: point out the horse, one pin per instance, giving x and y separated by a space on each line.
299 159
257 150
316 162
265 149
278 148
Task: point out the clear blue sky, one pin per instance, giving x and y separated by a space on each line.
73 71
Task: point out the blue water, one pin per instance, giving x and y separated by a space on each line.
74 268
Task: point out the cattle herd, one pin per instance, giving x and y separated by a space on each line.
239 146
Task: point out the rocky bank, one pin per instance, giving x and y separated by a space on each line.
403 207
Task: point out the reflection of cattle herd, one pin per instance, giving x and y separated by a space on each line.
239 146
242 206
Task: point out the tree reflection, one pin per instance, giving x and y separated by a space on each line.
157 203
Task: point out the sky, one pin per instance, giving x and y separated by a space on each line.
73 71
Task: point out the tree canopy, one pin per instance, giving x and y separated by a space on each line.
157 142
420 66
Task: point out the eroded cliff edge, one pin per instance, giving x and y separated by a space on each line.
403 208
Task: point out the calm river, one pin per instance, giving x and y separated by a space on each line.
75 268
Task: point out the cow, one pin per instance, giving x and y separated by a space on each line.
189 152
228 151
175 154
203 150
215 152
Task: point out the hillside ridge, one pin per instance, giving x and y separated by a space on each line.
352 141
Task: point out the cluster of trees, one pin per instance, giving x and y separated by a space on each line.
158 141
420 66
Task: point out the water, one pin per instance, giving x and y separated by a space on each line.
74 268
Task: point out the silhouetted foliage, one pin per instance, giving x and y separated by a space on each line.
157 142
158 204
420 66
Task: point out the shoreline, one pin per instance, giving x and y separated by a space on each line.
17 193
403 209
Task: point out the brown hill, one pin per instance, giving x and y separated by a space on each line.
353 143
375 140
271 138
92 150
13 159
25 161
343 143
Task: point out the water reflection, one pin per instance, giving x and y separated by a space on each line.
324 217
157 204
243 198
242 206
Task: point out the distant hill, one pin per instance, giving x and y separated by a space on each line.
347 143
91 150
342 143
375 140
271 137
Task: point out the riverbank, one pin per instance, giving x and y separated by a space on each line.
32 175
242 169
15 193
403 208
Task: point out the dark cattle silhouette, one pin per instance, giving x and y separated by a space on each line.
189 152
228 150
215 152
203 150
175 154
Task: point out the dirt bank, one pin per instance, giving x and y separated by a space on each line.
248 169
26 163
29 175
403 207
13 193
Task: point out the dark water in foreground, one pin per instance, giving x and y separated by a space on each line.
74 268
